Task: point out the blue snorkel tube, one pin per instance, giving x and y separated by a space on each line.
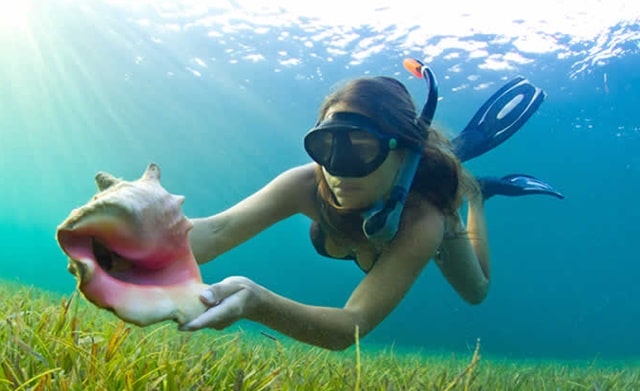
380 223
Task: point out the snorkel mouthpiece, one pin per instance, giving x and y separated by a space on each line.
381 222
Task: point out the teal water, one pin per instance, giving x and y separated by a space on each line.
220 97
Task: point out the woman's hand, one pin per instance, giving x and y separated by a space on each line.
229 300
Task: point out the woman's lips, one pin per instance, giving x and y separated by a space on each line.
346 188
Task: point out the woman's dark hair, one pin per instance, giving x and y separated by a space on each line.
440 177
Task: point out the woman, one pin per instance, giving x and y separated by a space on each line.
368 146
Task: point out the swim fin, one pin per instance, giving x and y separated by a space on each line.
515 185
498 118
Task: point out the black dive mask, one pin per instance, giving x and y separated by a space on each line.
350 144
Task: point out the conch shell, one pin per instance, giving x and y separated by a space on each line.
129 250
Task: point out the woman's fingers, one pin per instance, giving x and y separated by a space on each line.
220 316
227 300
217 293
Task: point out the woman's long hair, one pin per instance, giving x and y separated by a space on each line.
440 178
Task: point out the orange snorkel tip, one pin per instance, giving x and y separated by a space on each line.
414 66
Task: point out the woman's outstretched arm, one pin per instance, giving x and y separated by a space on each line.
378 293
289 193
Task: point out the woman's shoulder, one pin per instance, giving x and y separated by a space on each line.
298 185
297 179
424 217
302 173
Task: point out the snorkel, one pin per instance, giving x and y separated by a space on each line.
380 223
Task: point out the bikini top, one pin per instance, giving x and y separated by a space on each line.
318 237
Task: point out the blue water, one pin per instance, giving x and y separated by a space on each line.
222 108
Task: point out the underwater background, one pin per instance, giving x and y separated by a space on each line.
220 94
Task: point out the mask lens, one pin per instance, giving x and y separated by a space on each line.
319 146
365 147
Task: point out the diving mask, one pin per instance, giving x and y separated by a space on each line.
349 144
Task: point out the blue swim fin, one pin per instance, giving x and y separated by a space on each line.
515 185
498 118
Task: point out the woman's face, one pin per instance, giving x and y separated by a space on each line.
361 192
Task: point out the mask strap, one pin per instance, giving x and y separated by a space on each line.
380 223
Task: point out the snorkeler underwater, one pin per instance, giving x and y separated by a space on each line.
129 248
353 196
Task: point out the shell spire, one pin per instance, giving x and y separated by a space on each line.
105 180
151 173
